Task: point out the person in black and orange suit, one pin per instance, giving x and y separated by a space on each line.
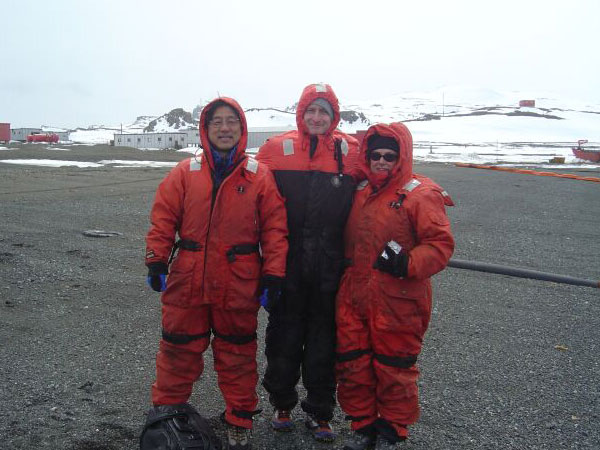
312 166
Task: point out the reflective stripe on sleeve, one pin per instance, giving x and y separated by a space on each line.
363 184
252 165
288 147
344 147
411 184
195 164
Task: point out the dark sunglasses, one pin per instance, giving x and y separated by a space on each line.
389 157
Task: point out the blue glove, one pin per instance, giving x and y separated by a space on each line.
157 276
157 282
271 291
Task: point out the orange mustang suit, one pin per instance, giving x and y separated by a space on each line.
212 290
381 320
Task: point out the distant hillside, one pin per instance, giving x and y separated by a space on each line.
175 120
457 115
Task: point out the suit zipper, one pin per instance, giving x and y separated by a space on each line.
215 194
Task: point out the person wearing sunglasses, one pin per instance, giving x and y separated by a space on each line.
397 236
221 205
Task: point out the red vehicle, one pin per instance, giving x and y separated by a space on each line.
43 137
588 154
5 132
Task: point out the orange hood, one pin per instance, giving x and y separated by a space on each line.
203 128
309 95
403 170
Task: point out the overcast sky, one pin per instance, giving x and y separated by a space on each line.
81 62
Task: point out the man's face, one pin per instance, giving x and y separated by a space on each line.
224 129
316 119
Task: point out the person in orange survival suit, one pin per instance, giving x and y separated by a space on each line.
312 166
397 236
222 204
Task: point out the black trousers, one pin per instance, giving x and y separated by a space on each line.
300 338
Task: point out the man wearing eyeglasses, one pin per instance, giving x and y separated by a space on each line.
312 166
221 205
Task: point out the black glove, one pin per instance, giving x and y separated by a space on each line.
393 260
271 287
157 276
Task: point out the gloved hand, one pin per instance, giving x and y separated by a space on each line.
271 287
157 276
393 260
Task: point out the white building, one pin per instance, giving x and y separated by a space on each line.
257 136
152 140
20 134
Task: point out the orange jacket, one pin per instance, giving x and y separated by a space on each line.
246 209
409 209
318 193
290 151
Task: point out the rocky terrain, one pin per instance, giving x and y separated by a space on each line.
508 363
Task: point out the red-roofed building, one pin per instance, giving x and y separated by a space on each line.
527 103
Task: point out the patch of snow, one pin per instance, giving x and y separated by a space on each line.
124 163
50 163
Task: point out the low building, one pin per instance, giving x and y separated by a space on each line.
526 103
257 136
152 140
20 134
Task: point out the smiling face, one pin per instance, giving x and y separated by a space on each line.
224 129
316 119
378 163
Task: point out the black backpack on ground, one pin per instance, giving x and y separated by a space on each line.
177 427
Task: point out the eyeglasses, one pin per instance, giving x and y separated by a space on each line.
389 157
218 123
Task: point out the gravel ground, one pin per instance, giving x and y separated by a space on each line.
507 362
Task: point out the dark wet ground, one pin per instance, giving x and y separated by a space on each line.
508 363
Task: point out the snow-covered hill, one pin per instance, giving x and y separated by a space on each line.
176 120
448 120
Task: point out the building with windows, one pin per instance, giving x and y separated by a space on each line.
189 138
152 140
